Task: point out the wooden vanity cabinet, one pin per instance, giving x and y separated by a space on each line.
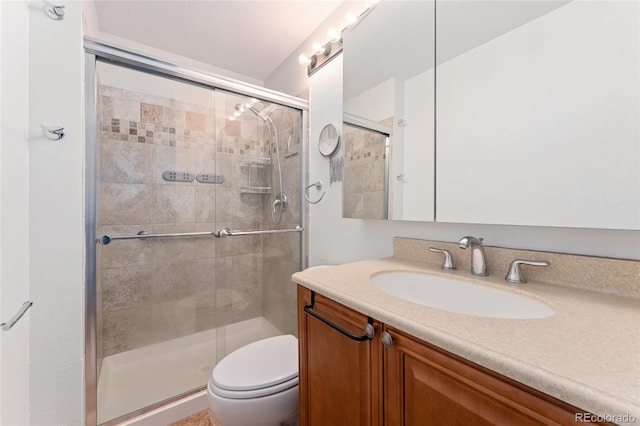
406 383
340 379
425 385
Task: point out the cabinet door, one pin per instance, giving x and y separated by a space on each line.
424 385
340 378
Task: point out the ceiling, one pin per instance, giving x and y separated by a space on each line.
247 37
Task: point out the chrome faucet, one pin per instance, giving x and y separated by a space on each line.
478 257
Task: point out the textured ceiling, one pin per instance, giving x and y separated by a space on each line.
247 37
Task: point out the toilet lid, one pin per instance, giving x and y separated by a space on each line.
258 365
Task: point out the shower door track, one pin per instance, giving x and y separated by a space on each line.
99 50
123 56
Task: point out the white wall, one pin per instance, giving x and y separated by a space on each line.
56 218
334 240
14 210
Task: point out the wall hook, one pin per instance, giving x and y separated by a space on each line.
54 11
318 186
55 133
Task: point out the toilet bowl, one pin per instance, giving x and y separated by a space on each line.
257 385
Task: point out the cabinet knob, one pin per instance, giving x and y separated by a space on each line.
387 340
369 331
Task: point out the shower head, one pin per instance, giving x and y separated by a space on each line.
244 108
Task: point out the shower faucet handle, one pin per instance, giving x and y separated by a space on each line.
447 264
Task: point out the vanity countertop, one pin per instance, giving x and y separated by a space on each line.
586 354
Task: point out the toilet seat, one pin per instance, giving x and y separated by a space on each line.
261 368
255 393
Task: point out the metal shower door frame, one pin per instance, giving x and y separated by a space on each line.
95 51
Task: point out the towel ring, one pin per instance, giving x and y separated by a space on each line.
318 186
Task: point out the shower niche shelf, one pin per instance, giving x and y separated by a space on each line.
255 162
255 189
256 175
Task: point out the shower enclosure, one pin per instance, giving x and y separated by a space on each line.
194 224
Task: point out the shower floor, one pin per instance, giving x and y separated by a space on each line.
141 377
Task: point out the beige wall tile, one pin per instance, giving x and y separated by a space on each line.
175 159
173 249
205 209
123 109
151 113
195 121
125 162
209 247
125 252
126 329
173 281
125 204
125 287
173 204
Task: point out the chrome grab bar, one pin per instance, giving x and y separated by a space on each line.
223 232
6 326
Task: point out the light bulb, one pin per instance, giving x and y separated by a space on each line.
254 101
334 35
232 118
304 59
351 19
317 47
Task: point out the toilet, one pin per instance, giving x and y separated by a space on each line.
257 385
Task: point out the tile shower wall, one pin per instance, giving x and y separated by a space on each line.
282 251
154 290
364 173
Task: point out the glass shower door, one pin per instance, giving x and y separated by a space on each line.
255 296
175 158
156 298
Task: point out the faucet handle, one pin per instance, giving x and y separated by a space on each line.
515 275
447 264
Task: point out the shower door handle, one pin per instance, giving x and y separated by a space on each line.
226 232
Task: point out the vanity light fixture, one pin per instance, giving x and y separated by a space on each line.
323 53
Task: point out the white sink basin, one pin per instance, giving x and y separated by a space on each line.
459 296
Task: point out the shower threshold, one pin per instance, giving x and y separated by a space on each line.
132 380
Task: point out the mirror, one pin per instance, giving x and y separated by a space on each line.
539 116
388 88
538 110
329 140
365 188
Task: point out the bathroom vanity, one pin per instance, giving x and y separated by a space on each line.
395 362
396 379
